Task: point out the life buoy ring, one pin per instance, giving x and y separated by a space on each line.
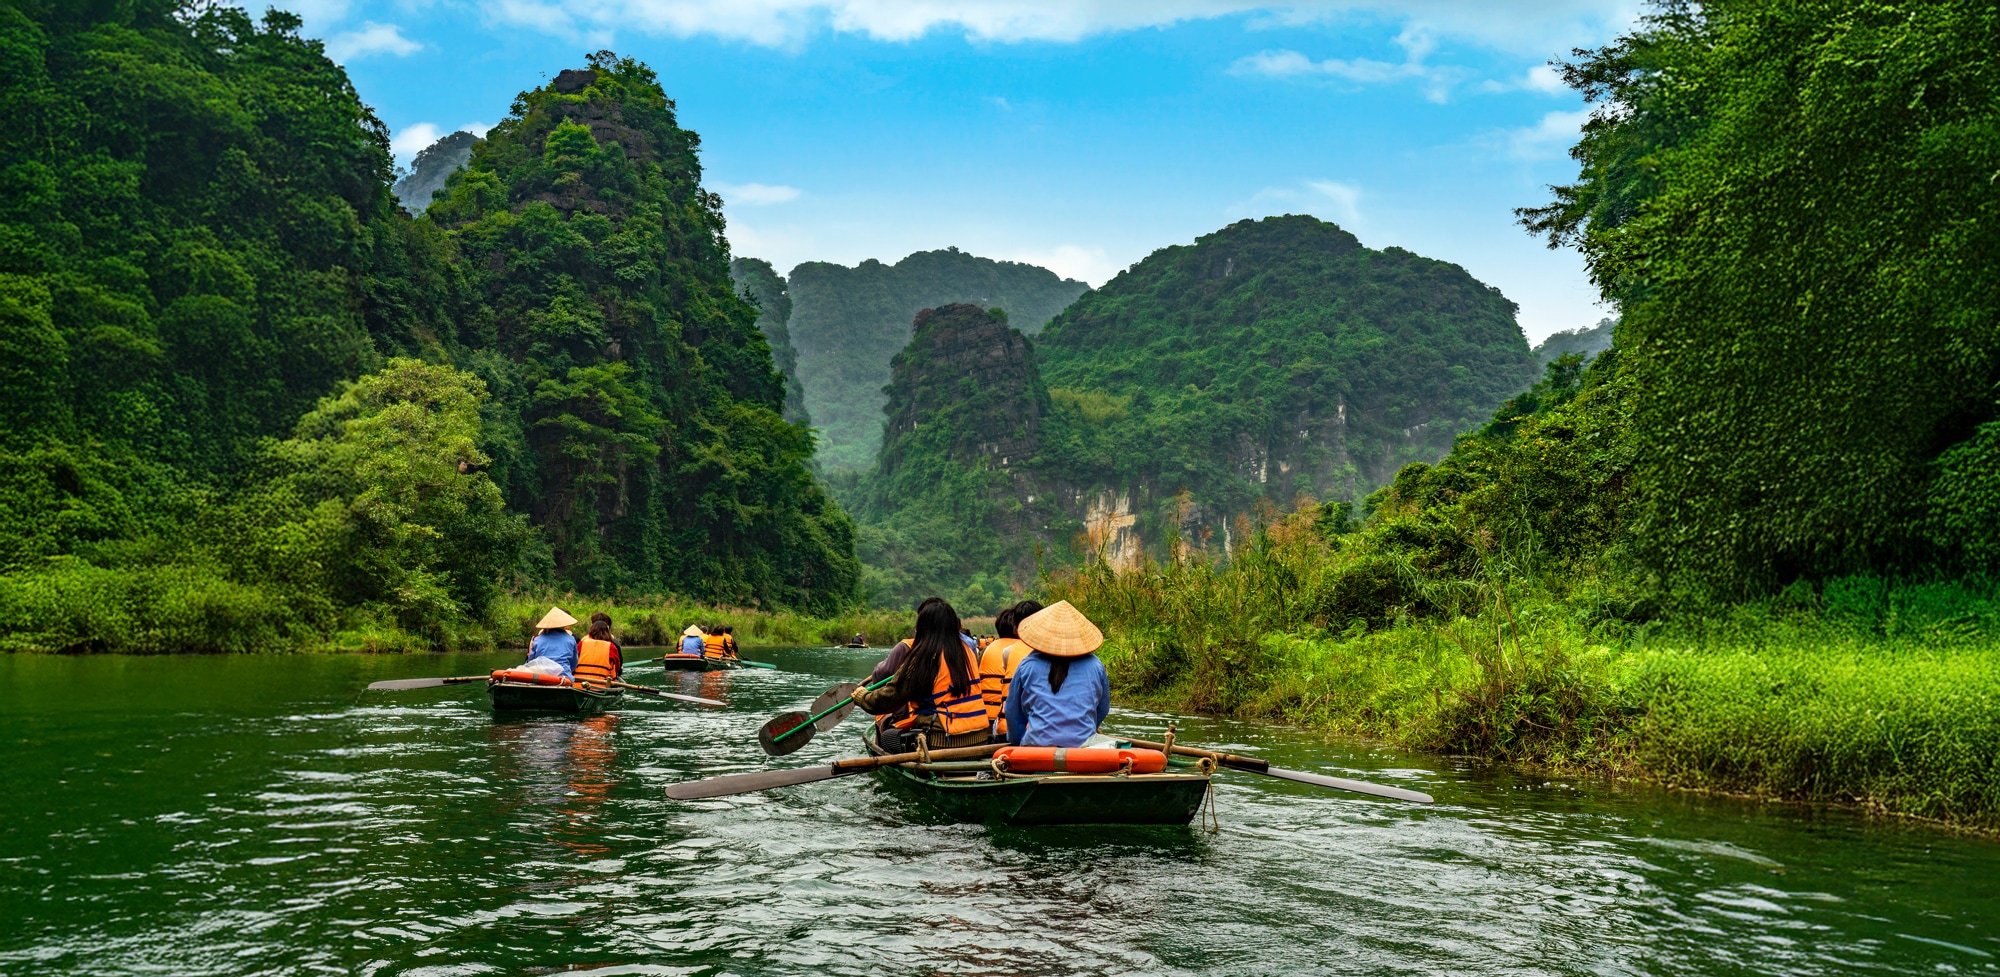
526 677
1080 759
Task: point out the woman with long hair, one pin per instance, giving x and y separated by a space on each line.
936 689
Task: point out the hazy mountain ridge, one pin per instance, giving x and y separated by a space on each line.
847 323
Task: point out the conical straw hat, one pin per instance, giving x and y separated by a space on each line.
1061 630
693 631
556 618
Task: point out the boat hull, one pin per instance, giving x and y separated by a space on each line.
1173 797
697 663
521 697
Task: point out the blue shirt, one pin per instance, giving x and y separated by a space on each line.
691 645
1037 716
559 647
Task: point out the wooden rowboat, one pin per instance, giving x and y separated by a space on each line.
510 696
698 663
954 790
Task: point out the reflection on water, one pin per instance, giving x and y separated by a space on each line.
251 815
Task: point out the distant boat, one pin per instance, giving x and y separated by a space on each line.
697 663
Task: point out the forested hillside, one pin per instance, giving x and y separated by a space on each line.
848 322
1268 359
1583 342
760 285
1206 385
253 404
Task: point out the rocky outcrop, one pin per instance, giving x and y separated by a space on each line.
758 283
432 166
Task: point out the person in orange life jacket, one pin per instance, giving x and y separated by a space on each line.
598 657
1061 693
553 640
714 644
1001 658
691 640
728 632
935 690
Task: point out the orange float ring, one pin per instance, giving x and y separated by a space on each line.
1079 759
526 677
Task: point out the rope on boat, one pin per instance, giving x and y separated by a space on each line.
1211 822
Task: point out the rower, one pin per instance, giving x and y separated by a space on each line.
936 690
598 658
691 640
1060 694
553 640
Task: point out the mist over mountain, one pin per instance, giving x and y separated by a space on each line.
757 282
1585 342
847 323
432 166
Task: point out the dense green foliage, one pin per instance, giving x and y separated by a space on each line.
1273 358
1794 205
848 322
199 255
760 286
950 507
641 415
433 165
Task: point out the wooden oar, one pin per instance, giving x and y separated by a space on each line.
406 684
648 690
788 732
745 783
1254 765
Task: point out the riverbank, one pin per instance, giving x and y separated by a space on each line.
1902 726
88 610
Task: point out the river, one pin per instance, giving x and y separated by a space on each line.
262 815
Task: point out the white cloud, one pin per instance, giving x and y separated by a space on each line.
1540 78
1551 137
1329 199
1437 80
1522 25
1083 263
371 39
755 194
413 140
476 128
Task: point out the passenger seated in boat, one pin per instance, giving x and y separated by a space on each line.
1060 693
554 642
936 689
728 632
999 660
691 643
598 657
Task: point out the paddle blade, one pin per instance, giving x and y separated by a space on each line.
1357 786
844 690
746 783
785 733
697 700
406 684
752 664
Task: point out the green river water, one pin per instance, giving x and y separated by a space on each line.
259 815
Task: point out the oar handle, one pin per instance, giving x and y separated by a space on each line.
637 688
1231 760
860 763
829 710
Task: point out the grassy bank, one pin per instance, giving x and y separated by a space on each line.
1864 693
76 608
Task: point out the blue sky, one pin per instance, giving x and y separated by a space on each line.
1078 136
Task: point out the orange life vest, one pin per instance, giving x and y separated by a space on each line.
996 673
593 661
1079 759
958 714
714 646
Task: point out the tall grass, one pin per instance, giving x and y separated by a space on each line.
1869 691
